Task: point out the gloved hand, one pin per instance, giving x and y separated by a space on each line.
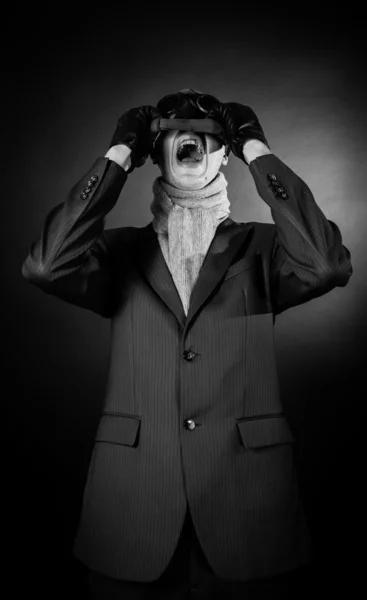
240 124
133 130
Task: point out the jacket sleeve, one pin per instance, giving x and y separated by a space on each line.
308 257
72 257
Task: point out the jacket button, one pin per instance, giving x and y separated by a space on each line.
284 196
272 177
94 178
189 424
83 196
87 190
189 355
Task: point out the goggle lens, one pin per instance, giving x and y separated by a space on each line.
168 104
207 103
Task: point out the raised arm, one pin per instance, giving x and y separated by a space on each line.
309 258
73 257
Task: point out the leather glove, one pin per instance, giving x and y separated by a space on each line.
240 124
133 130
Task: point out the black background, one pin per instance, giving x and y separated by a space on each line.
69 71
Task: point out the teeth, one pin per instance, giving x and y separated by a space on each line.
192 142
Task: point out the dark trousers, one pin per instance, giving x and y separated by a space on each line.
189 575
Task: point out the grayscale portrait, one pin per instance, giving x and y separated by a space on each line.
184 251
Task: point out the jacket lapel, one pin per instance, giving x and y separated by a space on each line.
150 262
228 240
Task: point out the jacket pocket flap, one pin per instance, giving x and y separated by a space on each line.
265 431
118 429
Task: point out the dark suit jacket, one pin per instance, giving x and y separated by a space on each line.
235 465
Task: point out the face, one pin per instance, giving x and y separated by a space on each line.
189 160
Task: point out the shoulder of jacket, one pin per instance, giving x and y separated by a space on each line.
265 231
122 235
263 236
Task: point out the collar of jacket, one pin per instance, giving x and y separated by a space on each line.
229 239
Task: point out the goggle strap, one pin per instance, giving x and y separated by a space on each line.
200 125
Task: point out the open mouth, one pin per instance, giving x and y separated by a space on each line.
190 150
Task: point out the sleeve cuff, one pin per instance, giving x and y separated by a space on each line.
120 154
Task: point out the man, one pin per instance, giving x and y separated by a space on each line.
191 484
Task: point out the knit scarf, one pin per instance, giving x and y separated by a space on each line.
185 222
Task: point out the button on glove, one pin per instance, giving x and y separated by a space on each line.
133 130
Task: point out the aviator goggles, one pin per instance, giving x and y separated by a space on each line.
171 104
183 110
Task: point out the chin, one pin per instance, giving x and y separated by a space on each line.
189 181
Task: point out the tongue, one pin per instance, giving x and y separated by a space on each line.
192 159
191 155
